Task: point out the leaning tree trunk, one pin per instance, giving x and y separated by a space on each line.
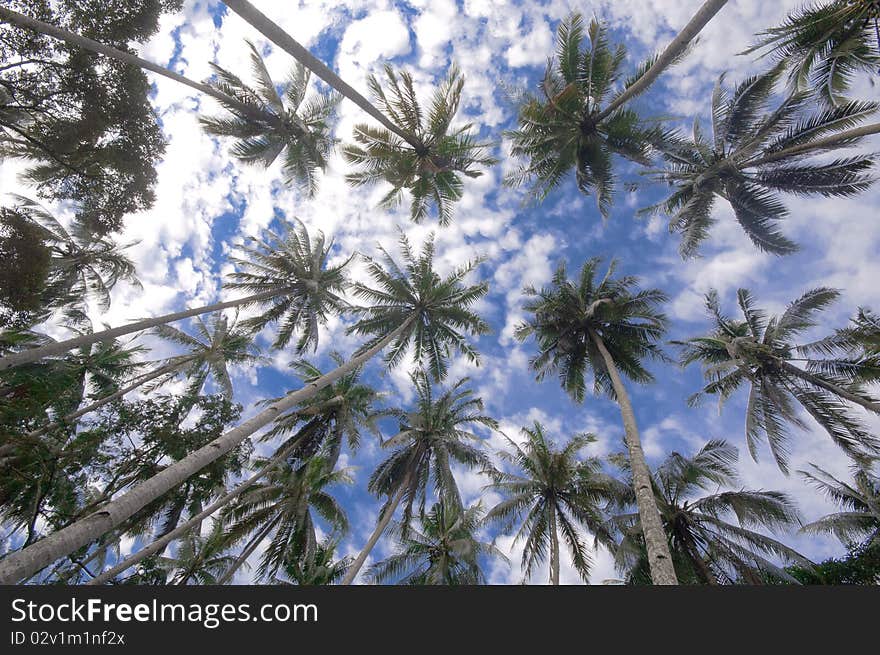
659 557
60 347
140 381
282 39
668 56
22 563
554 549
827 142
120 55
159 545
384 520
829 386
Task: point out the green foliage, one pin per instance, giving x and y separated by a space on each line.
431 172
289 126
321 569
85 121
757 351
25 270
569 316
861 566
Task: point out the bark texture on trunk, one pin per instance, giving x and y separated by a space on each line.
61 543
674 49
659 557
61 347
554 549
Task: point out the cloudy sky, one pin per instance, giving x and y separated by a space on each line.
207 202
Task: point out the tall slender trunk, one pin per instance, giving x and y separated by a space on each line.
247 550
659 557
60 347
63 542
834 139
673 50
282 39
701 566
829 386
554 549
94 46
140 381
159 545
384 520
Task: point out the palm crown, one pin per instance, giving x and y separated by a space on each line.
823 46
705 546
294 265
566 314
443 550
432 172
432 312
558 493
568 128
758 351
293 127
751 154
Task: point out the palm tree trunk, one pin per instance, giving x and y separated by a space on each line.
701 566
140 381
282 39
384 520
159 545
247 550
659 557
829 386
669 55
834 139
554 549
94 46
60 347
63 542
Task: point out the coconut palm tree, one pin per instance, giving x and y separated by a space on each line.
431 171
293 126
198 559
321 569
559 494
413 306
607 327
761 352
280 509
290 280
430 437
707 547
443 550
82 264
859 520
825 45
338 413
753 153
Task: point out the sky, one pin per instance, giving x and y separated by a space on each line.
206 203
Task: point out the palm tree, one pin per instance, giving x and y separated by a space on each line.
444 550
414 305
760 352
558 493
431 171
707 548
283 40
859 522
82 264
752 154
297 263
319 570
429 439
824 46
608 328
300 129
288 271
280 509
198 559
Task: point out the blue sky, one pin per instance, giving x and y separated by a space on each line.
207 202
